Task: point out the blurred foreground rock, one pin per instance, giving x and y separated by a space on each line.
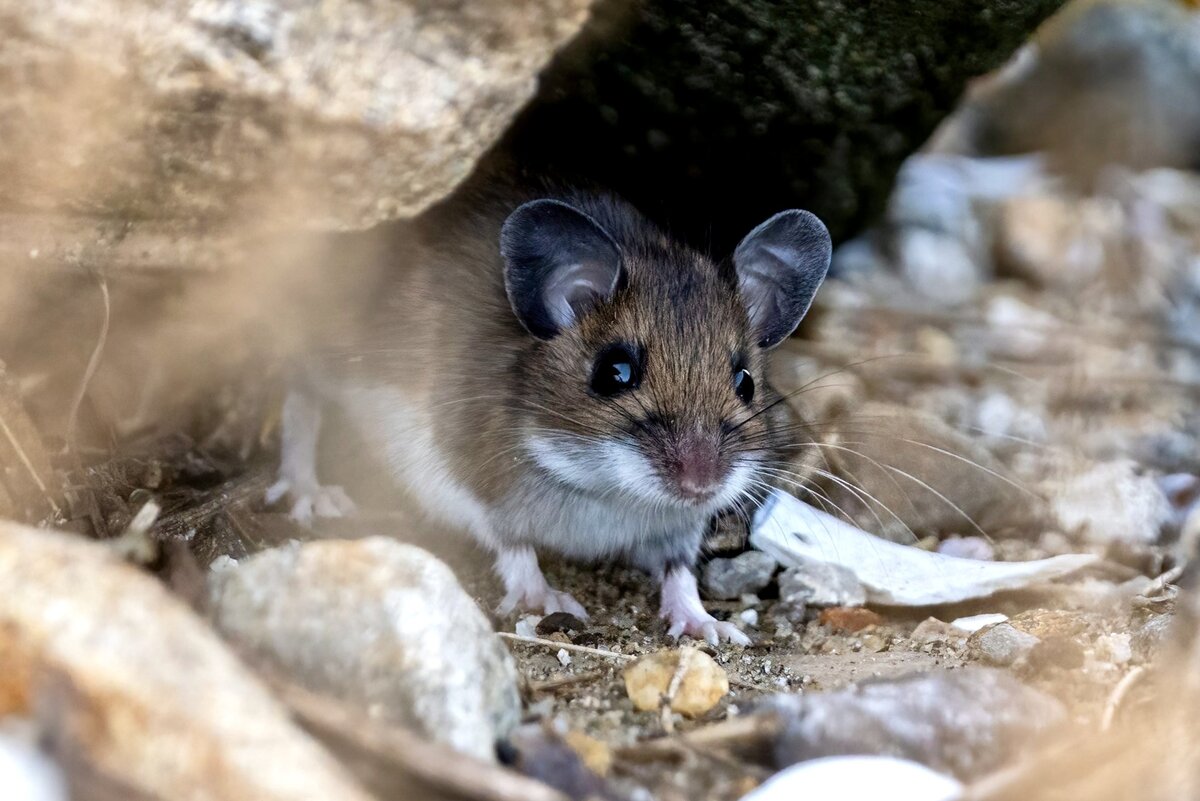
380 624
964 722
337 113
135 696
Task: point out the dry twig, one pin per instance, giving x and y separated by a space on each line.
396 764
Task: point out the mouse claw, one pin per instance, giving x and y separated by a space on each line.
311 500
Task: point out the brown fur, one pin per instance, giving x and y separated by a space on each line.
444 332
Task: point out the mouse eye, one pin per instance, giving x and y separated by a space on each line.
617 369
743 385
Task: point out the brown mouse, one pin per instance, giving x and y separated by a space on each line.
558 373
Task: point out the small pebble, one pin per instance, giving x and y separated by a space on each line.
1115 648
932 630
564 658
848 618
1061 652
1002 645
974 623
813 583
749 617
527 626
560 622
703 685
746 573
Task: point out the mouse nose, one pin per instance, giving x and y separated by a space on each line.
696 468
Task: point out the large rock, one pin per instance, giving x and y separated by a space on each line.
715 115
136 694
378 623
340 113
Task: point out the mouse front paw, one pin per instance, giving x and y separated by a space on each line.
685 614
706 628
545 601
310 499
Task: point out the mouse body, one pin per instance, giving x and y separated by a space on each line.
554 372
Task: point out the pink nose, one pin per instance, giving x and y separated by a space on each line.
697 467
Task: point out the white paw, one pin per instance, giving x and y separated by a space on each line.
310 499
704 627
543 602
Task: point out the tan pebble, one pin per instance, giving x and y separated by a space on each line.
849 618
703 684
594 753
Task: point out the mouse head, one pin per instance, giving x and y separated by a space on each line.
644 378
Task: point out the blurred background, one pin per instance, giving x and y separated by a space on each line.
1004 365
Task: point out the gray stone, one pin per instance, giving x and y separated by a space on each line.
966 722
812 583
1001 644
336 113
380 624
746 573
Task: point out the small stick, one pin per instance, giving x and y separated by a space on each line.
666 712
748 730
582 649
1118 695
564 681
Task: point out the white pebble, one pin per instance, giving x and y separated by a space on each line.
749 617
564 658
974 623
527 626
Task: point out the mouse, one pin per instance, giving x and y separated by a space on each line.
552 371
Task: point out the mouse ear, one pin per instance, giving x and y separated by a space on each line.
780 265
558 265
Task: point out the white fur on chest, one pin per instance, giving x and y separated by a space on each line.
539 511
404 435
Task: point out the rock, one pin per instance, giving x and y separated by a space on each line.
1055 241
938 266
964 722
723 113
858 778
848 619
560 622
967 548
1056 652
128 685
1115 648
340 113
1151 635
595 753
729 579
961 481
932 630
380 624
812 583
749 617
702 686
1110 501
974 623
1104 82
1000 644
564 760
26 772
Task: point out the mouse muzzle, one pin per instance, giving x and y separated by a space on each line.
695 468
